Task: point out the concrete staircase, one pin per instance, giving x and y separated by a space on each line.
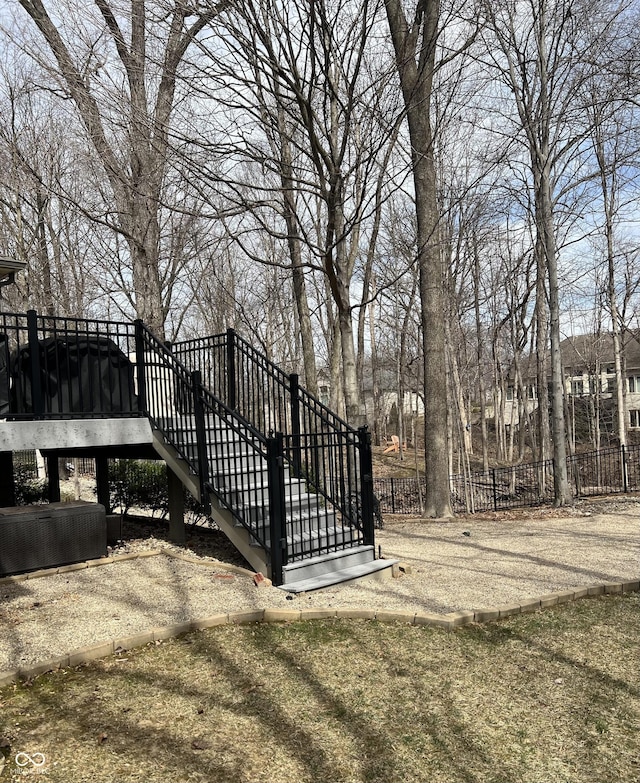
322 549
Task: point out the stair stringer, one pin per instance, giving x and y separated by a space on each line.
312 573
177 465
237 534
240 537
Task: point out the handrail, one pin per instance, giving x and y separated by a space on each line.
296 460
319 447
197 346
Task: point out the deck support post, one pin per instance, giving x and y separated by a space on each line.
177 533
102 481
7 485
53 472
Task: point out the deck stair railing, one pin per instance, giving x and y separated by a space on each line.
321 465
292 473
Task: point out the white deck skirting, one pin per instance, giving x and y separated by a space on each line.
74 433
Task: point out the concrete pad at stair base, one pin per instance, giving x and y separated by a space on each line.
74 433
335 568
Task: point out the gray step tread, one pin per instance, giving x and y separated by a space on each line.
315 535
337 577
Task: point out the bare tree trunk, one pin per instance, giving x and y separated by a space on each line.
295 254
480 356
375 385
562 488
416 65
137 175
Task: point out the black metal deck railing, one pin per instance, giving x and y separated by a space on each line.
61 367
316 447
244 429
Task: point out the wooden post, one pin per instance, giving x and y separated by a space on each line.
102 481
177 532
7 480
53 472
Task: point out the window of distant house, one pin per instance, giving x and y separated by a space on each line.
510 393
634 418
532 393
633 384
577 388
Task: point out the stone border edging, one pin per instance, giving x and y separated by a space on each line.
121 558
446 621
79 566
233 569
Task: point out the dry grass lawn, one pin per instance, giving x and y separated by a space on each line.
551 697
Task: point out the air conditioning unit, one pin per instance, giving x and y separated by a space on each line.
33 537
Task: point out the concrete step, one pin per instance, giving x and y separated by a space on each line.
376 569
323 570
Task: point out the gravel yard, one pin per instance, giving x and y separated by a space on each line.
466 564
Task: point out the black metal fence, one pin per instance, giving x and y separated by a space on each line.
603 472
60 367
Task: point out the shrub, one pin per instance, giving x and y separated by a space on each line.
28 489
138 484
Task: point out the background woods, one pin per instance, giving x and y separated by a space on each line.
421 208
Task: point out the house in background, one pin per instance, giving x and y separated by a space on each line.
590 384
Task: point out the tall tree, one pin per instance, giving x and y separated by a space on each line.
123 84
303 78
415 42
